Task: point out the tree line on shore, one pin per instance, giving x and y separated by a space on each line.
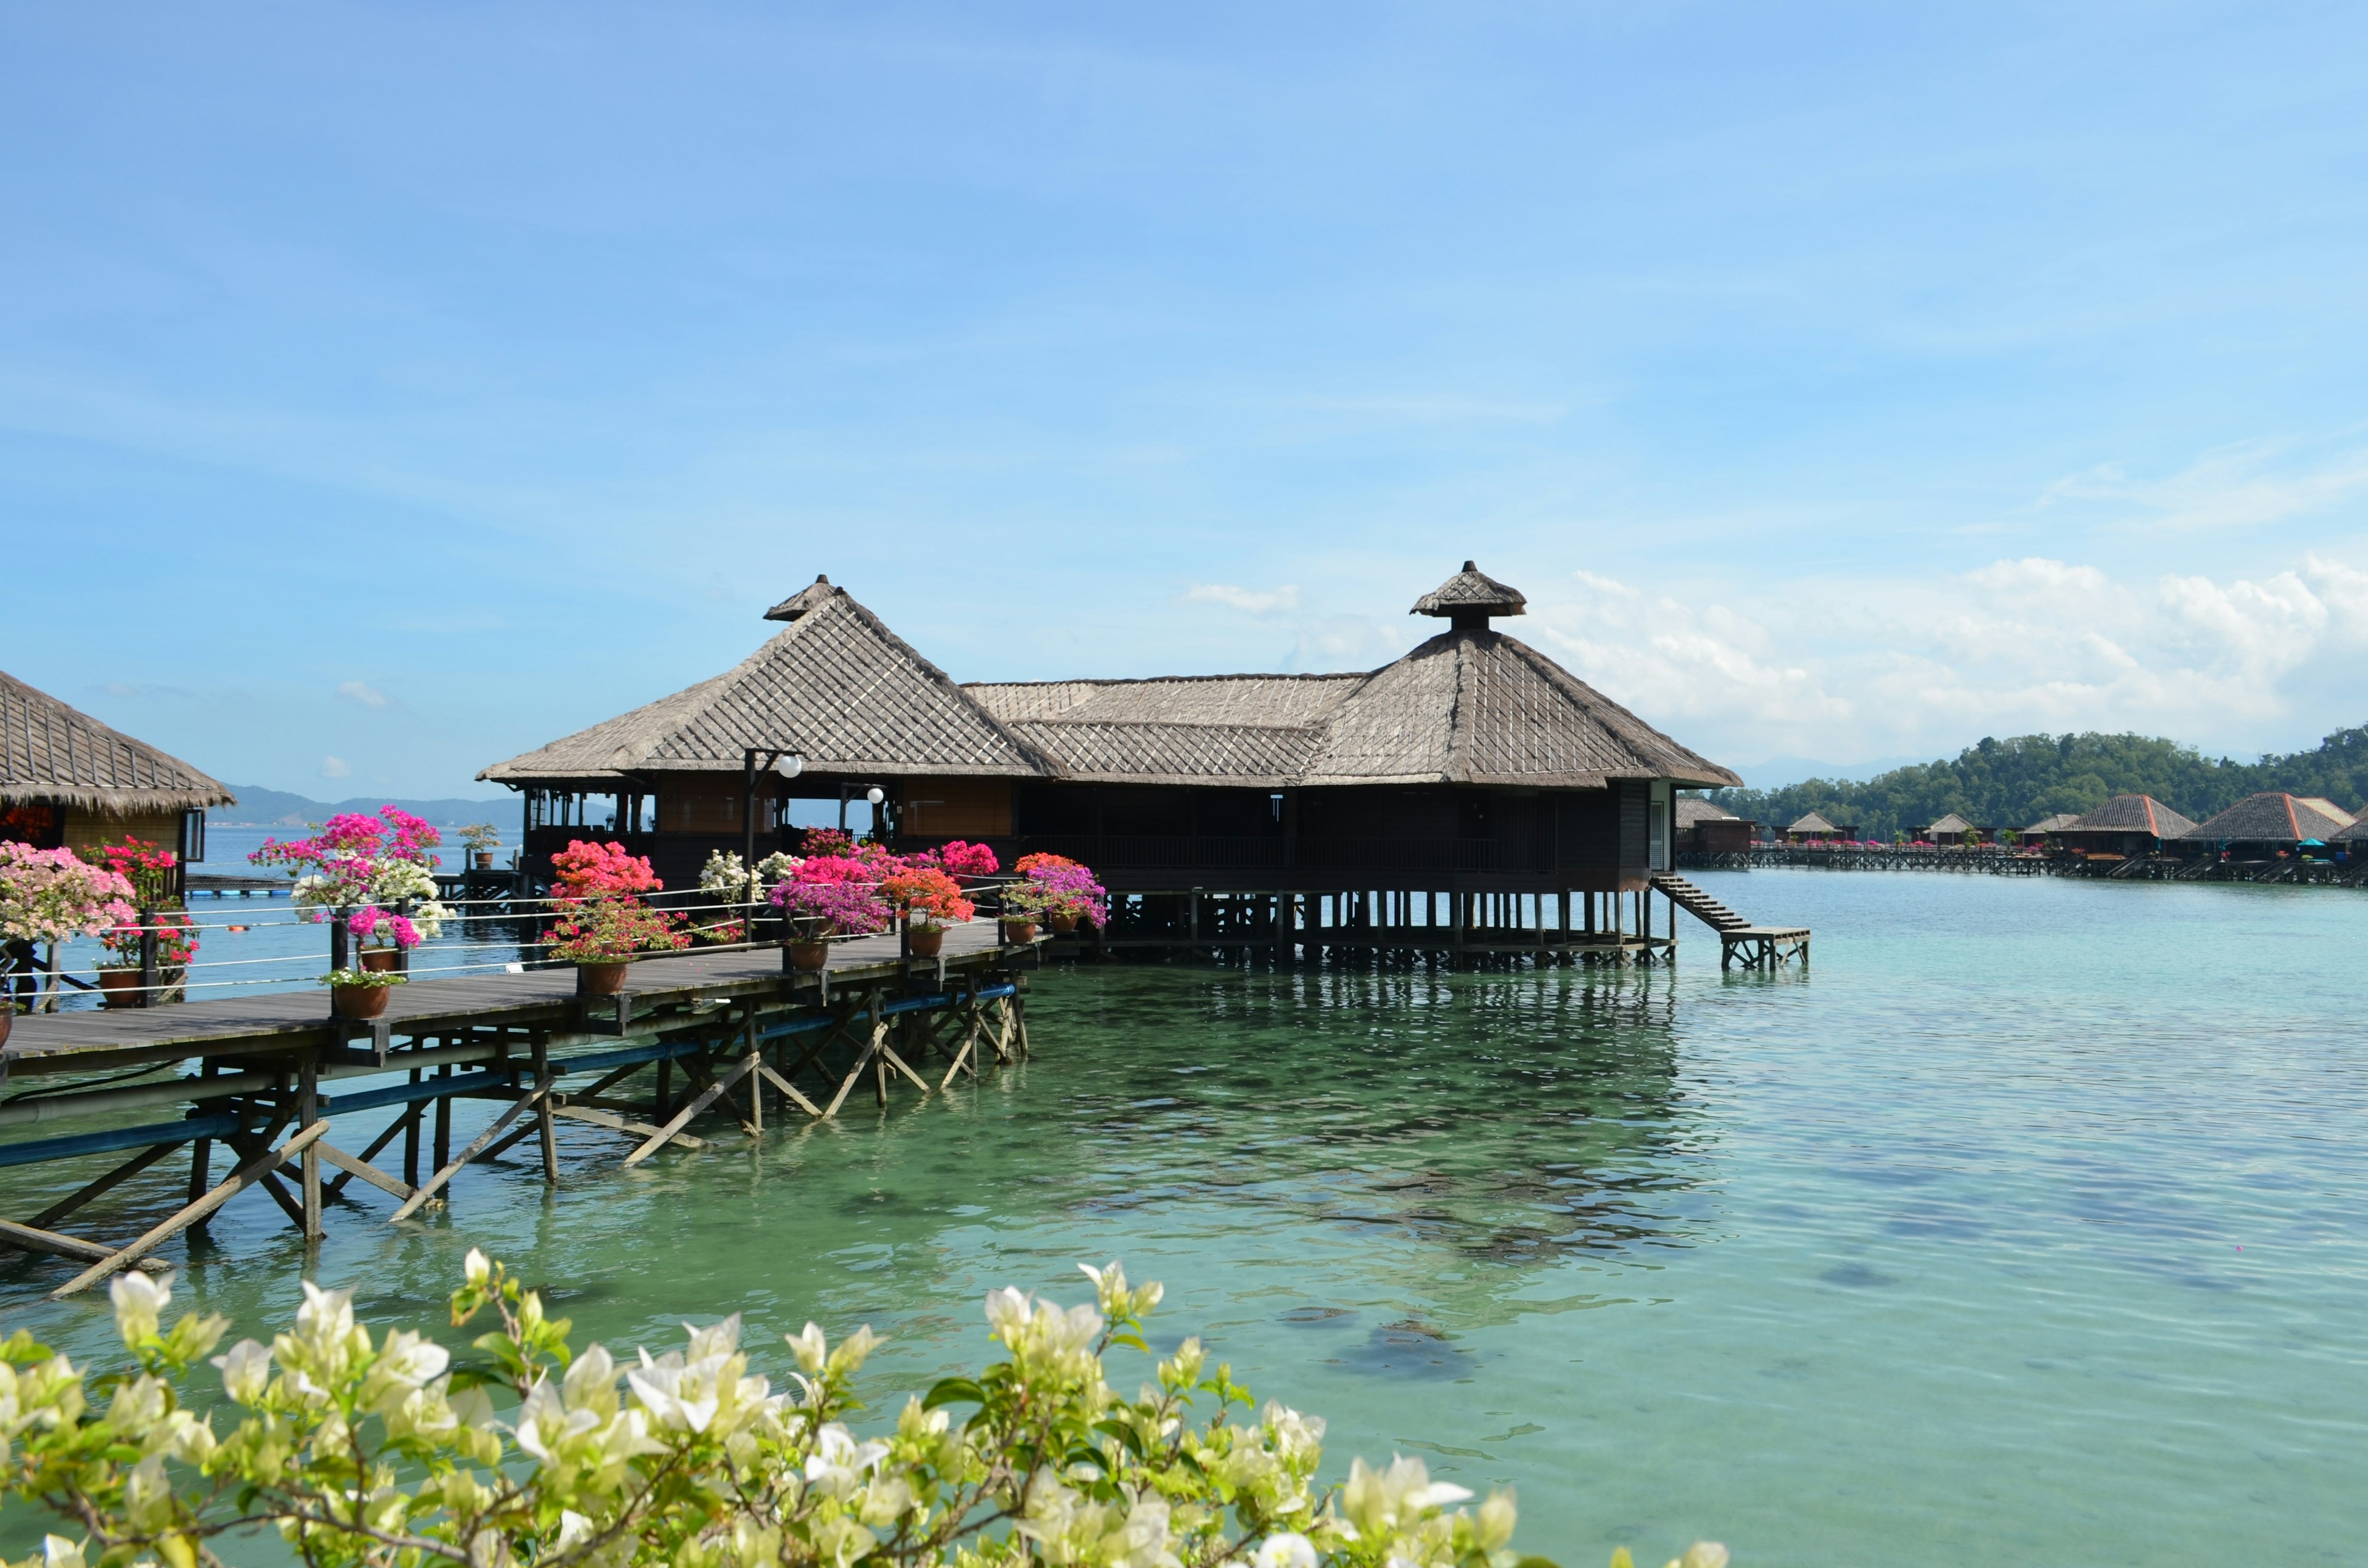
2015 782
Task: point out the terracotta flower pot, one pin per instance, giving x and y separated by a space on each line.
358 1001
928 943
483 859
1063 924
809 957
119 988
8 1019
600 979
379 961
1019 933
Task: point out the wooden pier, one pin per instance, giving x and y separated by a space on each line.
744 1034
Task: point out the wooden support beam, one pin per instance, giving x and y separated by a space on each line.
785 1087
542 1082
123 1173
706 1098
32 1238
362 1169
246 1176
616 1123
308 1111
409 1117
435 1183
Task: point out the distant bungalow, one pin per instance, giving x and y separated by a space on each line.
2046 828
1814 829
1953 829
1474 763
2127 825
67 781
1705 827
2267 823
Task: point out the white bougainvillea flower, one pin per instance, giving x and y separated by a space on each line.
246 1371
139 1300
1288 1550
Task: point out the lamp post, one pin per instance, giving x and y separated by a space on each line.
871 792
784 761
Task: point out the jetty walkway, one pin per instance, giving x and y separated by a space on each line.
743 1033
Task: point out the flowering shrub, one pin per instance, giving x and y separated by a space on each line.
928 897
601 870
176 934
52 895
828 841
962 859
361 867
730 882
606 920
1068 888
147 866
379 1451
481 836
842 907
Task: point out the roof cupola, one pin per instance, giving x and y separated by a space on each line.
1467 599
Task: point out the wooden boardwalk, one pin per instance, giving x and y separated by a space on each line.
745 1033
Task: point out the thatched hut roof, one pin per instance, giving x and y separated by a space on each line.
1470 706
1952 822
1814 823
2045 826
2268 818
1471 592
2328 808
837 687
1694 809
2132 813
2357 833
52 754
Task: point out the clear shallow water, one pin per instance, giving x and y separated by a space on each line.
2031 1225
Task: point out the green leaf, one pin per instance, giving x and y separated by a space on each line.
1127 1437
953 1390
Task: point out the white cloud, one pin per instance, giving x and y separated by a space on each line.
335 767
364 693
2241 485
1868 666
1251 602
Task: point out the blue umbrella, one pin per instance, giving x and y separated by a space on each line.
2314 844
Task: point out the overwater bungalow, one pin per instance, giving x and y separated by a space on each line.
1473 765
1814 829
67 781
2261 826
2125 826
1705 827
1954 830
2045 828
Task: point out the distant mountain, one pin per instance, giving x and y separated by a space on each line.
259 807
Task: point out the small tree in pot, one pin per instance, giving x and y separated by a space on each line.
826 896
604 920
931 901
50 895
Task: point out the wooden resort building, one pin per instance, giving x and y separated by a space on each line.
1814 828
2263 825
2127 825
1953 831
67 781
1705 827
1471 788
2045 828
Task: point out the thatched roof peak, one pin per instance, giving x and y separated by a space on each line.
1470 598
52 754
804 599
2269 818
2132 813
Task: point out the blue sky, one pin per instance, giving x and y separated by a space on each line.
386 390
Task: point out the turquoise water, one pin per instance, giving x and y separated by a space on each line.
2030 1225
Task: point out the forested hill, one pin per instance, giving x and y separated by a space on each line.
2012 783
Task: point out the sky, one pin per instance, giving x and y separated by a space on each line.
387 390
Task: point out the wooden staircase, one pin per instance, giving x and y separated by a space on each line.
1757 946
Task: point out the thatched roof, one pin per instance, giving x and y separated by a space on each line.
1953 822
2268 818
1813 822
2132 813
2056 824
2355 834
52 754
1471 592
1470 706
837 687
1692 809
2328 808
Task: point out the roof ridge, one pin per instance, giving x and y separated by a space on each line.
1165 680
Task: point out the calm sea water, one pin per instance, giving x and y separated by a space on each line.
2030 1225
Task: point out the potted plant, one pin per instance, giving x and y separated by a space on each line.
1023 911
149 869
931 901
385 937
52 896
358 993
826 896
480 839
1069 891
605 920
356 868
